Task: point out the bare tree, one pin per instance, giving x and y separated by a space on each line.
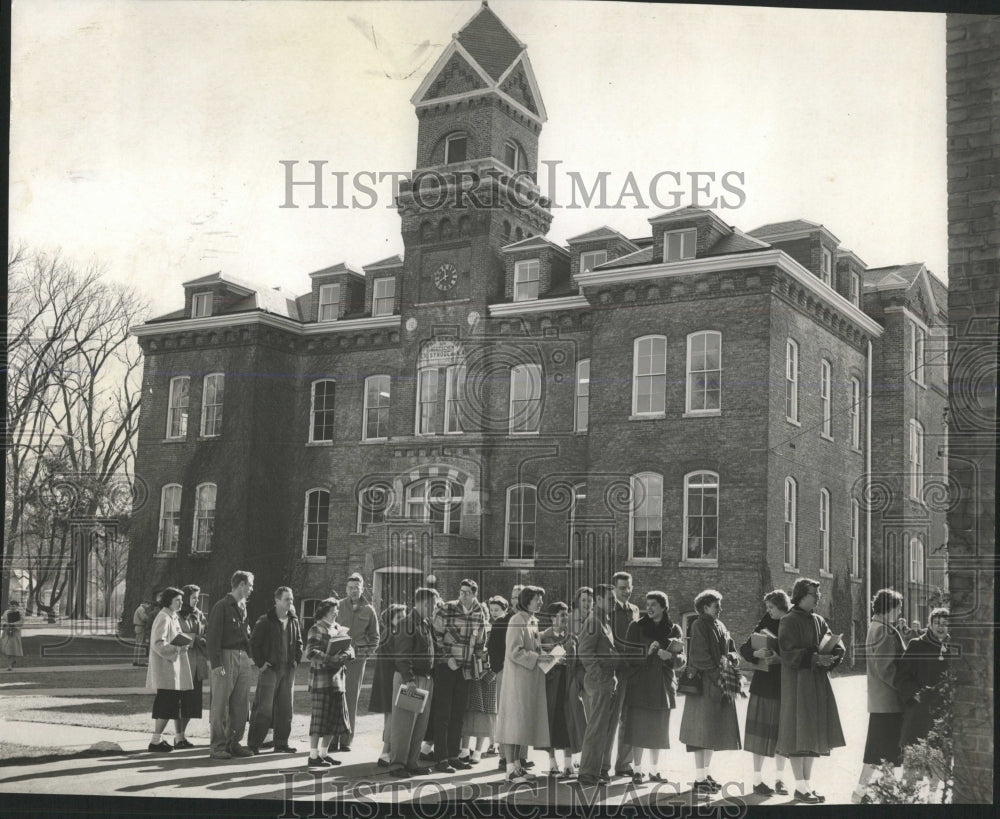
72 415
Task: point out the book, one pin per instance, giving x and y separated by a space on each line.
829 642
182 640
415 702
557 652
337 644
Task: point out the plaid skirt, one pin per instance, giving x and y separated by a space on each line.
761 733
483 694
329 715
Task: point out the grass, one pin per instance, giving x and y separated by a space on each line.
45 650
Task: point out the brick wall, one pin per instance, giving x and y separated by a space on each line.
973 55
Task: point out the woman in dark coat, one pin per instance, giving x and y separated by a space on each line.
382 695
760 735
655 648
329 720
809 723
193 624
564 732
709 722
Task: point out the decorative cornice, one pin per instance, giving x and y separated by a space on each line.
575 302
266 320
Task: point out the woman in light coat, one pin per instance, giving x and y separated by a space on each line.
169 671
522 716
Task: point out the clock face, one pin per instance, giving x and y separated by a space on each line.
445 277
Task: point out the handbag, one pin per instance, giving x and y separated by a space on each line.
690 683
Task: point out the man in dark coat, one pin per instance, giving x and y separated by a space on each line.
276 648
918 675
623 615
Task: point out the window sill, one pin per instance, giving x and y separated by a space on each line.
522 434
826 574
702 414
305 559
319 443
519 564
374 440
793 421
826 437
579 432
791 569
209 437
648 416
698 564
174 440
858 580
200 555
164 555
644 561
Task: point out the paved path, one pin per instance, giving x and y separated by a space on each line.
273 776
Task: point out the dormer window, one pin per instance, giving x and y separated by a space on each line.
329 302
591 259
385 297
511 156
526 280
679 244
826 266
455 148
201 305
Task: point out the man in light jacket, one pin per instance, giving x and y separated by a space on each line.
356 614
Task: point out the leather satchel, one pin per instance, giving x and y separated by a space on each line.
690 683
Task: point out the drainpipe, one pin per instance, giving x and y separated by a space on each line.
868 490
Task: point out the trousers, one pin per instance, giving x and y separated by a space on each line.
595 757
406 729
230 705
272 704
355 671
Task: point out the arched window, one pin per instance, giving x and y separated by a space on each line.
177 407
376 412
321 412
704 372
791 516
456 148
649 375
211 405
520 522
204 518
437 501
646 524
170 519
701 516
316 530
824 529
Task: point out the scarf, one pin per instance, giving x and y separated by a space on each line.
731 679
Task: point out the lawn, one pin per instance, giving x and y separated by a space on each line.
43 650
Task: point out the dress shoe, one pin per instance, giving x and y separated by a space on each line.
763 789
526 764
382 763
624 771
426 757
808 797
703 789
502 764
345 749
518 777
637 778
400 773
318 762
819 796
221 755
160 747
268 744
444 767
459 764
183 743
779 788
419 771
715 785
285 749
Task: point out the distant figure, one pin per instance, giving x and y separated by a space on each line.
10 635
142 621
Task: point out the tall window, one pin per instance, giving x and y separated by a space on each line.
916 459
646 530
384 302
649 375
521 507
701 516
377 394
204 518
455 148
427 397
512 156
824 528
792 380
824 397
454 387
855 289
525 398
170 518
916 560
329 302
582 411
791 504
436 501
855 538
372 503
526 280
826 266
918 338
704 371
591 259
317 523
211 405
577 510
679 244
855 413
177 407
201 305
321 428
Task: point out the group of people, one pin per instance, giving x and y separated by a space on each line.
460 680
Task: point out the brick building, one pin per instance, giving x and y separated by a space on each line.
691 406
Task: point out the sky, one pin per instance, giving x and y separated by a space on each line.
148 137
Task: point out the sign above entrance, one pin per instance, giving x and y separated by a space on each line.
441 352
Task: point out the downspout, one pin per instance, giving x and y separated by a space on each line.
868 490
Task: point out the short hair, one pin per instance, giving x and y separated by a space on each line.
779 599
497 600
579 593
188 592
659 597
885 600
917 622
323 606
516 590
356 578
602 590
941 611
803 586
240 576
706 598
279 592
391 612
620 576
472 584
168 595
557 608
529 593
422 594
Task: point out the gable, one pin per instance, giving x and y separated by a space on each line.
518 88
456 77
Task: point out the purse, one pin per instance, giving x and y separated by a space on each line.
690 683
